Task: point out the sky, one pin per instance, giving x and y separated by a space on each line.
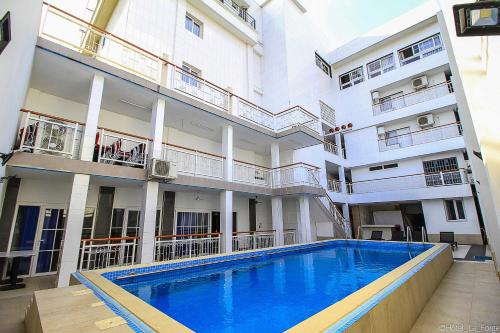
345 20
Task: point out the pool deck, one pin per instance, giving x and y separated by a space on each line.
466 300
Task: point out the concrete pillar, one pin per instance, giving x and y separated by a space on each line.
146 246
343 184
226 220
92 119
304 222
226 197
277 202
150 188
227 151
233 102
73 230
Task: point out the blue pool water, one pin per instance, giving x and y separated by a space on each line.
269 293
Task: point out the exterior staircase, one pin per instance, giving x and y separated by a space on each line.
340 226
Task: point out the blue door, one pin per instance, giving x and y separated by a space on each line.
51 236
23 238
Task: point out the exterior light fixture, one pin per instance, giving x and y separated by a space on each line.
479 18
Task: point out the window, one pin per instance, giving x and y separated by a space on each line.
133 223
400 137
454 210
380 66
116 227
385 166
351 78
444 171
192 223
193 25
421 49
88 223
4 31
321 63
190 78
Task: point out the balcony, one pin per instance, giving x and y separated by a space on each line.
416 181
42 134
100 253
118 148
76 34
419 96
193 162
239 11
432 134
333 148
334 185
171 247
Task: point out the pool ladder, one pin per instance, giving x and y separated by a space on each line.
409 237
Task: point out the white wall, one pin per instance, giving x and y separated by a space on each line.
436 221
15 68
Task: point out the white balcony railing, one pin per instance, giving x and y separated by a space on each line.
170 247
289 236
99 253
121 149
432 134
334 185
239 11
255 114
331 147
202 89
72 32
419 96
296 116
43 134
250 240
248 173
415 181
193 162
296 175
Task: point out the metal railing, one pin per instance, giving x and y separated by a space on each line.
68 30
419 96
249 240
334 185
415 181
289 236
331 147
170 247
121 148
99 253
255 114
193 162
295 175
44 134
420 137
239 11
202 89
340 226
248 173
296 116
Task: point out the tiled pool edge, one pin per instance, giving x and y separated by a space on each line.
342 317
103 280
132 321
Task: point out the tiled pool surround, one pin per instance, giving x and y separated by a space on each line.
341 316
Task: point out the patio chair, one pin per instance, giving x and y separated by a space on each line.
376 235
397 235
448 237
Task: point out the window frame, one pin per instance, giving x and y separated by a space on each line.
323 65
194 23
5 26
381 70
419 53
194 73
455 210
351 82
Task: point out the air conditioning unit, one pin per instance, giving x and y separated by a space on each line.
420 82
426 120
161 169
381 132
375 97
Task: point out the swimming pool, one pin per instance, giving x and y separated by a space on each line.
267 291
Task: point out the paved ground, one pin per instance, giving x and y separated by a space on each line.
13 303
467 300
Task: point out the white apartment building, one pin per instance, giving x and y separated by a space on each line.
406 156
160 129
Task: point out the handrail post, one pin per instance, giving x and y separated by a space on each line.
442 177
82 255
26 124
190 241
73 144
133 251
100 142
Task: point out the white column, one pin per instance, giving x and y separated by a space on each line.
277 202
94 108
227 151
146 246
226 197
226 220
73 230
304 222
